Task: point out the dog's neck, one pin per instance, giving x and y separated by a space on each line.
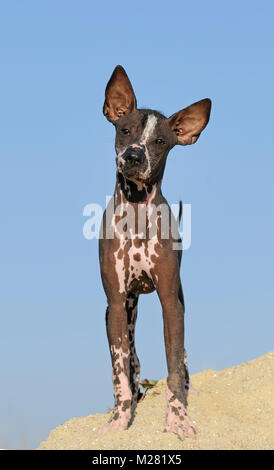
136 191
133 191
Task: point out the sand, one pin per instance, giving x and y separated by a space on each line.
233 409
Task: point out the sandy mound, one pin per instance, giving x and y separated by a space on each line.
234 409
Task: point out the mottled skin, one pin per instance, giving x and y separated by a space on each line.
133 263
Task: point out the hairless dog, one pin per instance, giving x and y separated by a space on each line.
136 261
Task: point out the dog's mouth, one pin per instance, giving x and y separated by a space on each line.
139 178
132 173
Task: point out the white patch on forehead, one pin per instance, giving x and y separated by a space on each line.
148 130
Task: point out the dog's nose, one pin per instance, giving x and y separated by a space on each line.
134 157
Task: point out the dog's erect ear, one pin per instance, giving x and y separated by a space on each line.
120 98
188 123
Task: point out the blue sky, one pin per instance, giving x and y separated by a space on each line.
57 155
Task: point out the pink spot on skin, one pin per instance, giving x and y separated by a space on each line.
151 195
136 146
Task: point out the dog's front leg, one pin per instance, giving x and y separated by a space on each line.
177 420
117 332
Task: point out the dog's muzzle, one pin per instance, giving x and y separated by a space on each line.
134 161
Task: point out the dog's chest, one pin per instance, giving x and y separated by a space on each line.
134 264
135 258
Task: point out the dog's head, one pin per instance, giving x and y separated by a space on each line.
143 136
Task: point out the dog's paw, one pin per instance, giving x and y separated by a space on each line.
177 419
181 425
118 422
119 425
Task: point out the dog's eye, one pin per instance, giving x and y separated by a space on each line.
125 131
160 141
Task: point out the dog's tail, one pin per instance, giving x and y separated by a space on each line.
180 212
